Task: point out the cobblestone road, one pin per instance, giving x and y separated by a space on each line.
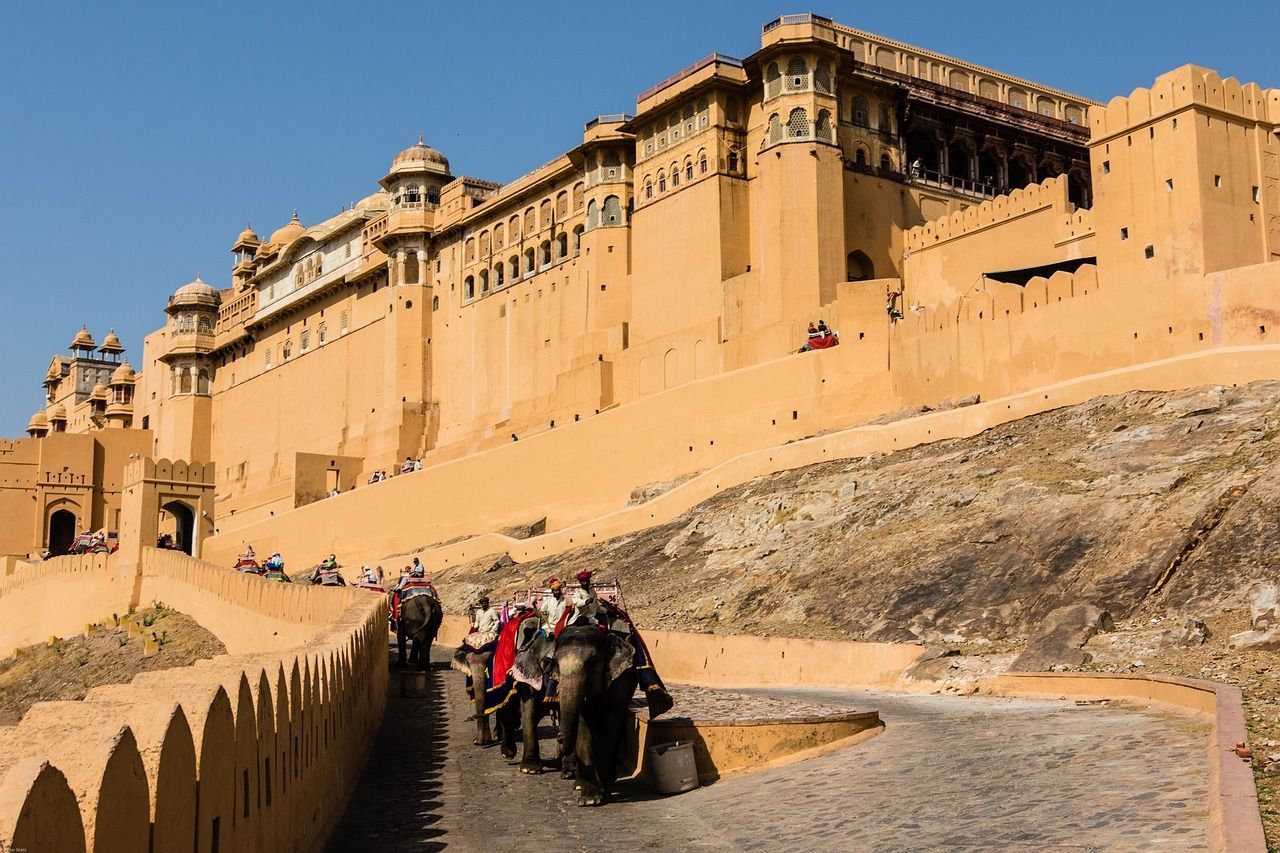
948 774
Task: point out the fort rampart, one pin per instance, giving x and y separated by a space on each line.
249 751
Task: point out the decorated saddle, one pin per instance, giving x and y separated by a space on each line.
499 685
615 619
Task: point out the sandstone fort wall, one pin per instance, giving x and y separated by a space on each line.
250 751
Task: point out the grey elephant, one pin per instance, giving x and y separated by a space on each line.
476 663
420 618
597 678
527 707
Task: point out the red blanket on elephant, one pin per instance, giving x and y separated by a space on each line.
498 686
655 692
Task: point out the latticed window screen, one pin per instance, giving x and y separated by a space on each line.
822 77
797 74
775 129
798 123
772 81
612 211
824 126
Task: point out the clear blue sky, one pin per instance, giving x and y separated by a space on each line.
139 138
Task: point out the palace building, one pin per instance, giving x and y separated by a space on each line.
834 174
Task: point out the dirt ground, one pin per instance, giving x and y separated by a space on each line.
67 669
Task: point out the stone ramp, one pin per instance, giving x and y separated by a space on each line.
947 774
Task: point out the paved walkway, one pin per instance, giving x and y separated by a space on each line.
948 774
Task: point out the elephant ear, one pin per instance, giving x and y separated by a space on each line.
622 657
528 665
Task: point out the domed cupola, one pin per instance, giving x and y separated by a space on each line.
418 158
38 426
287 233
195 294
111 345
83 344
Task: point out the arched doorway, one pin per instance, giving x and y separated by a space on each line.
181 524
859 266
62 532
960 160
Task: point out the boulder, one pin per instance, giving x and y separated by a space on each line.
932 665
1268 640
1264 609
525 531
1060 638
503 562
1192 633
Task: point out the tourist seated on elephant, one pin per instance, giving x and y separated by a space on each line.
585 602
368 577
246 560
327 574
553 607
275 561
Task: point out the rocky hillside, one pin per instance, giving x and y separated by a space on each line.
1142 503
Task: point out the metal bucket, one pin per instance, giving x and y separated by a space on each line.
672 767
413 685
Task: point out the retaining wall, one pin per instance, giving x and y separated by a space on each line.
59 597
250 751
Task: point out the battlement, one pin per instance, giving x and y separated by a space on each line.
1052 193
168 471
1188 86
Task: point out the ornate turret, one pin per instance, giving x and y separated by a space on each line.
194 295
287 233
111 346
58 418
83 345
120 408
38 426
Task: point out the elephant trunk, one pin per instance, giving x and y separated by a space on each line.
571 692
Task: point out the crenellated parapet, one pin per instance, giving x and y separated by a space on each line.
1050 194
1188 86
174 471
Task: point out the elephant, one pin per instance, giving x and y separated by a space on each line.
476 664
597 678
529 677
420 618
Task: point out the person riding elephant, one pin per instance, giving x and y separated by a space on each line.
596 676
327 574
420 618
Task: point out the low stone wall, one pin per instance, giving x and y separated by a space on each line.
1234 821
59 597
250 751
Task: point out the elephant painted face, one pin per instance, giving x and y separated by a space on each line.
531 652
594 657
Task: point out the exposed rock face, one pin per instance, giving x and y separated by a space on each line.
1166 501
1264 616
1059 643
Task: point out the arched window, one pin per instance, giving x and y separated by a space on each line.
648 187
305 340
205 325
611 166
662 183
202 382
435 303
593 210
690 124
433 195
470 253
319 264
498 233
297 276
530 223
859 267
704 113
562 246
484 281
772 81
886 163
822 77
342 323
675 175
731 108
823 129
562 205
688 169
513 227
579 195
484 244
322 333
673 126
184 377
797 74
860 156
775 129
528 261
702 162
612 211
545 208
733 162
187 323
544 250
858 111
288 350
798 123
498 276
513 266
469 288
411 265
883 122
577 240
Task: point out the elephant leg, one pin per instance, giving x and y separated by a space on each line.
483 735
508 718
530 713
590 790
401 642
